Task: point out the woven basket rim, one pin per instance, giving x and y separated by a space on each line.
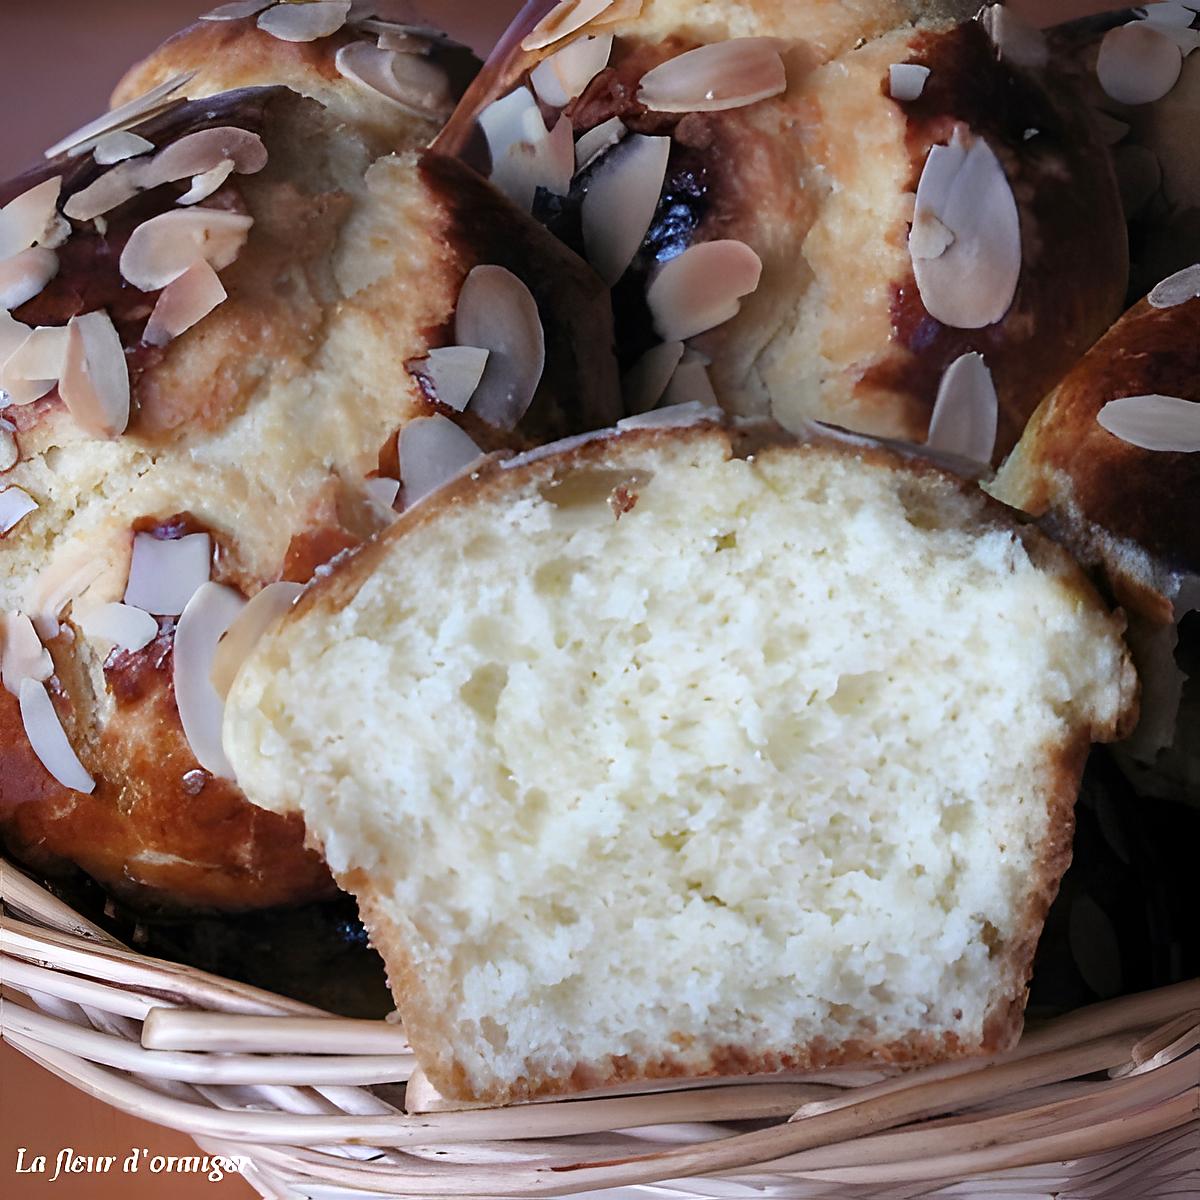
1105 1099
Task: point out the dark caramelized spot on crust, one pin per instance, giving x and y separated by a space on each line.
1071 225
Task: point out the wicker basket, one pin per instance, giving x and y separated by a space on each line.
1102 1103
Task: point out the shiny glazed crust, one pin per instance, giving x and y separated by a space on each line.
260 426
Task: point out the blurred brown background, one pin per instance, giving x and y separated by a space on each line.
59 59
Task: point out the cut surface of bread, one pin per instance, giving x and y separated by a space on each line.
676 754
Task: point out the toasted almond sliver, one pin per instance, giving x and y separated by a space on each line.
702 288
184 302
413 82
204 184
906 81
973 282
71 574
10 452
723 75
24 656
1138 63
1169 14
197 153
15 505
525 154
236 11
383 491
646 383
433 452
164 575
126 627
1016 40
967 412
929 237
563 76
498 313
1177 289
262 613
108 191
304 22
1161 423
621 202
49 740
597 142
562 21
12 335
127 115
25 274
207 618
95 381
119 146
42 355
164 247
455 372
26 218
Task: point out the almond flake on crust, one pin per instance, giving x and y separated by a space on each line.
621 201
49 740
94 384
1165 424
307 22
702 288
433 452
967 413
565 75
713 78
971 284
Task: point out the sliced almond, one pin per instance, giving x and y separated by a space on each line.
49 740
12 335
906 81
702 288
525 154
127 115
598 141
126 627
205 184
15 505
973 282
413 82
164 247
304 22
1169 14
929 238
208 616
236 11
402 42
454 373
41 356
562 21
504 121
95 380
10 452
425 34
1138 63
260 615
62 583
723 75
1161 423
198 153
621 201
108 191
383 491
26 219
498 313
184 302
1177 289
119 146
967 412
565 75
25 274
433 452
164 575
24 656
646 383
676 416
691 383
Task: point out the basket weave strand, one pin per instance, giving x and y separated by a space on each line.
1103 1102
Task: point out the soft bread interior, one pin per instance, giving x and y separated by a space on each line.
652 759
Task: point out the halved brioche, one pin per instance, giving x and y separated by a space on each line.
689 751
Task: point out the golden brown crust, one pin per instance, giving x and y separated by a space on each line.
837 328
158 829
1123 509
